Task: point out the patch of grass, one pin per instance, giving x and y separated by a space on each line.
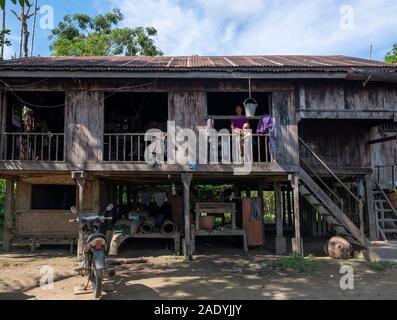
300 263
380 266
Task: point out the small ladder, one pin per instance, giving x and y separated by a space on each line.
386 215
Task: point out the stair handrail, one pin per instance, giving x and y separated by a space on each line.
357 199
323 183
329 170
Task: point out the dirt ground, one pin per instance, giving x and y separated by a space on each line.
215 273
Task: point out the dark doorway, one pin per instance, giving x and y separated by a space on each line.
224 104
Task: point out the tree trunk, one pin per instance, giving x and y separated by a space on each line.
21 35
3 28
34 28
25 38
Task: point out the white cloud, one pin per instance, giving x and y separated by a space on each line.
8 52
265 27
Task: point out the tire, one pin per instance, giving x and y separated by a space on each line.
97 282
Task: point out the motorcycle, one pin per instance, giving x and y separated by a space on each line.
93 247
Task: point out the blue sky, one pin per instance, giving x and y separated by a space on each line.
218 27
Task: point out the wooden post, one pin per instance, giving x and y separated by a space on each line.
186 181
79 178
96 196
281 243
369 191
3 115
289 207
297 245
8 210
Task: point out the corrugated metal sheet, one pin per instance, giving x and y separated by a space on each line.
264 63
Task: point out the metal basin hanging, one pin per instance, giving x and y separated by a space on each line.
250 106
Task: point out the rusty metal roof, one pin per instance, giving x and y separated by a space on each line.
259 63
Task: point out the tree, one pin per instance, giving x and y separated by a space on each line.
24 17
82 35
392 55
4 31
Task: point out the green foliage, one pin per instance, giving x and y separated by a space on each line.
392 55
21 3
82 35
3 40
380 266
299 263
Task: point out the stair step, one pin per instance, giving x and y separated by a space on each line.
321 210
389 230
304 191
387 220
313 201
346 234
337 224
383 210
380 201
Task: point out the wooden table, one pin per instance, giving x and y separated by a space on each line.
217 208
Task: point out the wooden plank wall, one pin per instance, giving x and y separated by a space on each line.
341 144
187 109
342 95
383 154
84 123
283 109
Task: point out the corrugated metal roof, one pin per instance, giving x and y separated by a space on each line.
261 63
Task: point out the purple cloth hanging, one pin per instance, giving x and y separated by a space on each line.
267 124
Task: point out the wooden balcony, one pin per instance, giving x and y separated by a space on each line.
17 146
130 147
125 152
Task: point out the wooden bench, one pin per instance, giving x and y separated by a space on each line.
34 241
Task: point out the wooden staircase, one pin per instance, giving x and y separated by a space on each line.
327 204
386 215
324 205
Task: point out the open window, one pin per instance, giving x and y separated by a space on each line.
222 107
34 128
128 115
53 197
225 103
136 112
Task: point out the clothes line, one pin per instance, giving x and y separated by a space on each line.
232 117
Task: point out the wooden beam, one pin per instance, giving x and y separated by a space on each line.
369 190
381 140
280 241
186 182
278 207
8 211
80 181
297 245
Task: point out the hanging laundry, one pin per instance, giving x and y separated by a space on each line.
145 198
160 198
267 124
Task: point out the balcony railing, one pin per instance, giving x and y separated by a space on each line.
19 146
130 147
